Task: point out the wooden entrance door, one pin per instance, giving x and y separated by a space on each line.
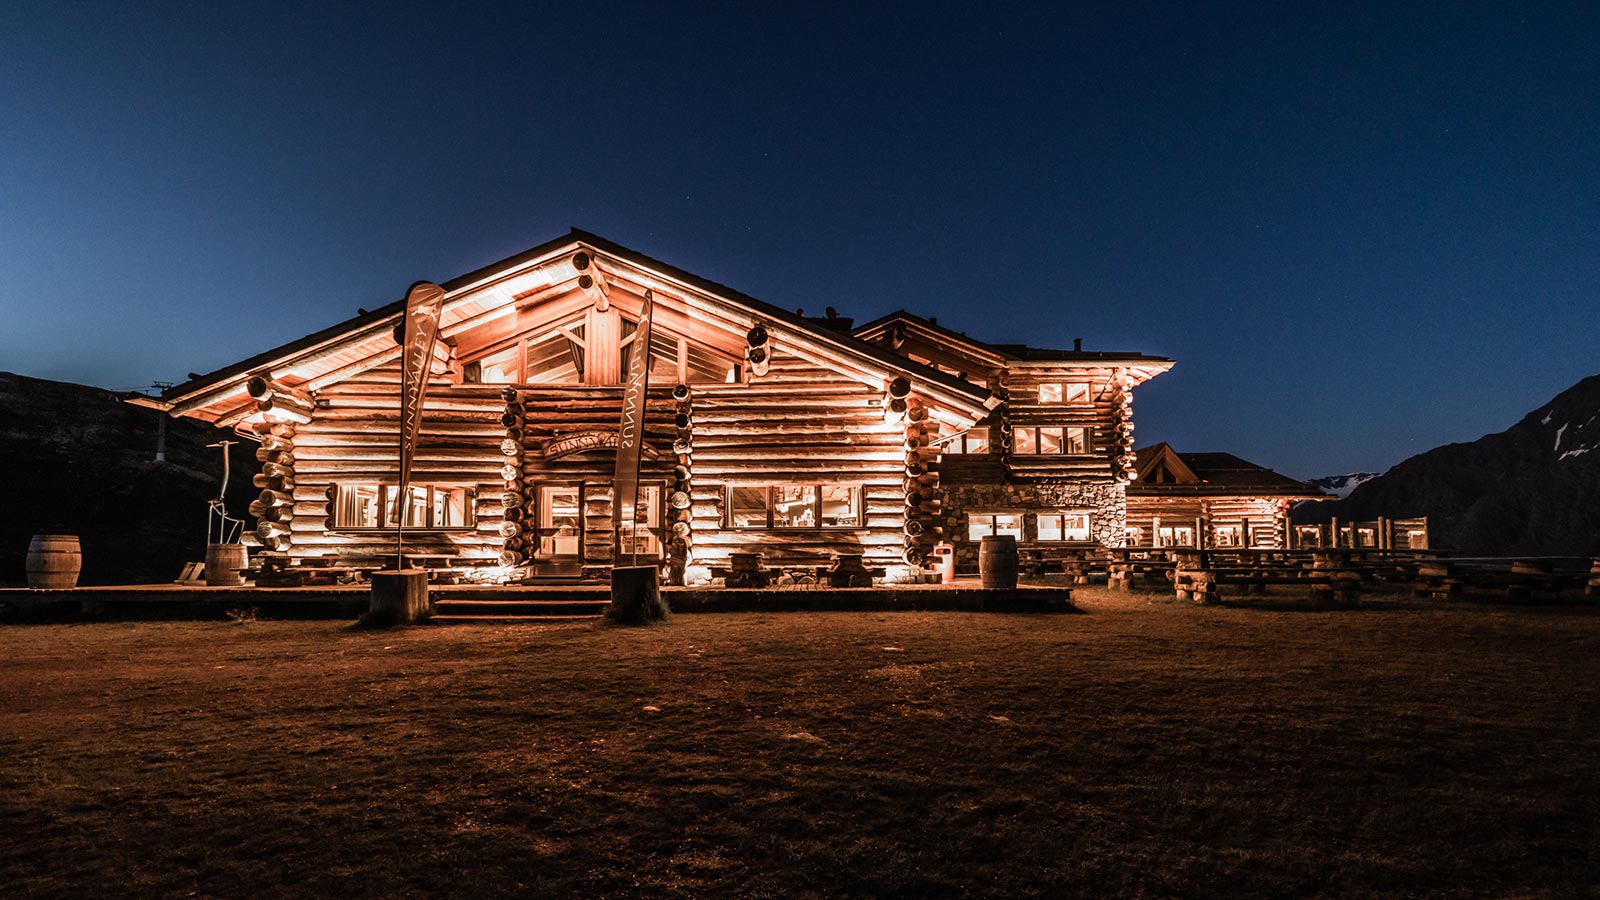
560 526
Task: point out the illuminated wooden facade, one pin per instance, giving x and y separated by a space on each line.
765 430
1210 500
1050 463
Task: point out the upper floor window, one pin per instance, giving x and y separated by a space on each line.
561 355
973 440
1064 392
554 357
434 506
1031 440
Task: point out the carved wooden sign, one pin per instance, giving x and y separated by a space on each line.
580 441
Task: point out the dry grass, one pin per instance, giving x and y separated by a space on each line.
1143 748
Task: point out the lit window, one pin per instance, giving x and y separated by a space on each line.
556 358
1032 440
380 506
1135 536
1064 526
500 367
1070 392
975 440
1175 536
1228 535
983 524
795 506
840 508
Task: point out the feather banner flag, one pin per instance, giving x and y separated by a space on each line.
424 303
630 436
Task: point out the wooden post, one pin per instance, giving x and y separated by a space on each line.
635 596
1118 576
399 597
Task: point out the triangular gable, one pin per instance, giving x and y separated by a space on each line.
546 279
909 334
1160 464
905 334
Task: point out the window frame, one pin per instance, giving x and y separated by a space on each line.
1088 525
816 507
1072 393
469 507
994 529
1032 436
957 444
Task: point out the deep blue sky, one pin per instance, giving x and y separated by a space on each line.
1360 231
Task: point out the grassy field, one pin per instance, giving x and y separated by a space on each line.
1140 749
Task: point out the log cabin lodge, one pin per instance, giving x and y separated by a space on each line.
801 437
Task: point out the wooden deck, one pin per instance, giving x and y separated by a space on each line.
328 600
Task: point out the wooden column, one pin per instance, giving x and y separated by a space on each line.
274 507
519 530
680 542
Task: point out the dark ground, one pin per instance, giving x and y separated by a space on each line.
1142 748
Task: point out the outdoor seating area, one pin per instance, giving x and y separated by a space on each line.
276 570
749 570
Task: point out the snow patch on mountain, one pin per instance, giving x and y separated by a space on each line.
1341 485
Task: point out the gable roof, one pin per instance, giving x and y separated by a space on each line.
1009 354
372 326
1212 474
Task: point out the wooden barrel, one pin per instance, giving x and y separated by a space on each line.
223 562
54 561
997 561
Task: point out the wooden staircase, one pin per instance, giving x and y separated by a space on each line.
511 607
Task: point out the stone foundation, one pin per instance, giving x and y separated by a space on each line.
1105 500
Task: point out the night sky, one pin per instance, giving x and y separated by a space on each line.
1360 232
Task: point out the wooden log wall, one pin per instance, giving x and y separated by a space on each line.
680 513
1144 513
1124 463
925 520
519 531
352 437
1108 418
801 423
553 411
274 508
1264 516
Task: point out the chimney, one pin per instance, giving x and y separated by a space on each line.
1077 345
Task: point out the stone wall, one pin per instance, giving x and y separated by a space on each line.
1106 500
